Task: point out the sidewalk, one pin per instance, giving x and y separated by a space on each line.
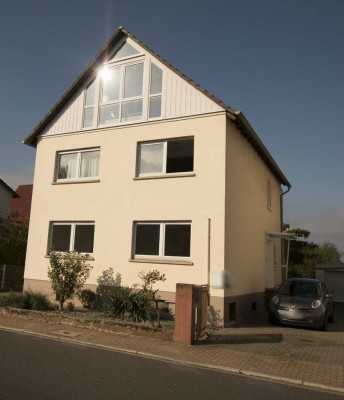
296 356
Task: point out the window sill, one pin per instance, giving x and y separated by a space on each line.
164 176
89 258
160 261
72 181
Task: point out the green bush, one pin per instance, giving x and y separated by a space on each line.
16 300
87 298
37 301
128 304
29 300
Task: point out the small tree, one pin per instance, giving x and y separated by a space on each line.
68 273
149 279
13 240
107 281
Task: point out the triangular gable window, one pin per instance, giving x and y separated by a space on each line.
126 50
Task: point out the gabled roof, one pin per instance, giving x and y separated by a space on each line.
21 206
236 116
9 189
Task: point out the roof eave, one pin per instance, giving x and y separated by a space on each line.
246 129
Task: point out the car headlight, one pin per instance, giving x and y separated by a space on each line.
316 304
275 300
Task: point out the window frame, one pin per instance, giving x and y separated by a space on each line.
162 243
78 178
141 57
121 99
73 225
138 174
269 194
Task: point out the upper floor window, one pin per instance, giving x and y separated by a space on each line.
121 97
128 88
165 157
269 195
75 165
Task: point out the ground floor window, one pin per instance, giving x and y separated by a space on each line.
162 239
69 236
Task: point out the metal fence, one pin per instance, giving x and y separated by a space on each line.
11 278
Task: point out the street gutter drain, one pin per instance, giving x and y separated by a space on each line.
62 332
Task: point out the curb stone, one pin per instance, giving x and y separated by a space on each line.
247 373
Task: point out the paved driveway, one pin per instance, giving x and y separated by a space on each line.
290 351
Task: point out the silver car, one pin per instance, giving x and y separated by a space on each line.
303 302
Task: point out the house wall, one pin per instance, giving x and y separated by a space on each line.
179 99
118 199
5 202
247 221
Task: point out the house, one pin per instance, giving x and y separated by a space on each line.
333 276
21 205
6 196
143 169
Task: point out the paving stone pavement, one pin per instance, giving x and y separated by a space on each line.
252 347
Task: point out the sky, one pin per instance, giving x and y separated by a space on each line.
281 62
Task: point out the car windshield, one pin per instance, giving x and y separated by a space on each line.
299 288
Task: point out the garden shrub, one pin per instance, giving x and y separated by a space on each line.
29 300
107 281
68 272
128 304
87 298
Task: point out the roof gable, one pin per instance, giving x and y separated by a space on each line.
116 46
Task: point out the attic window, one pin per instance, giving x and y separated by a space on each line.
126 50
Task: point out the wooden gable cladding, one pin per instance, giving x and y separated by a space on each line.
179 99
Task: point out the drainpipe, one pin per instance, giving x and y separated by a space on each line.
281 205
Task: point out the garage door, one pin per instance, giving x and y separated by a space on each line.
335 282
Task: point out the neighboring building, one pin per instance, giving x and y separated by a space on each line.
143 169
21 205
6 196
333 276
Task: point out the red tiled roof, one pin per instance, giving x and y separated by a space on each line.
22 205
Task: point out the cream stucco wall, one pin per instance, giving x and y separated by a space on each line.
118 199
247 216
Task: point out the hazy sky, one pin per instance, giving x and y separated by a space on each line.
281 62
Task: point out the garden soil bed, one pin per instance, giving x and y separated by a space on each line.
93 320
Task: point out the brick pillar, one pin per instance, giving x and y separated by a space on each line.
184 322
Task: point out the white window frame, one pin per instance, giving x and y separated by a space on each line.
161 255
121 99
72 233
163 172
78 177
123 62
155 94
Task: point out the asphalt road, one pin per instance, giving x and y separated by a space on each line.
37 368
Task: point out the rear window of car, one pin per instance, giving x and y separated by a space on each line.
299 288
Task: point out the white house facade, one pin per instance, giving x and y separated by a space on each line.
142 169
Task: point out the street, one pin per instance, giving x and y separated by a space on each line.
37 368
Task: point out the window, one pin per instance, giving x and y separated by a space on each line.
77 165
89 107
165 157
155 91
127 89
162 239
121 94
69 236
269 201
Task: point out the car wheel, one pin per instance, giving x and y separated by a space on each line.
324 325
331 318
272 319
